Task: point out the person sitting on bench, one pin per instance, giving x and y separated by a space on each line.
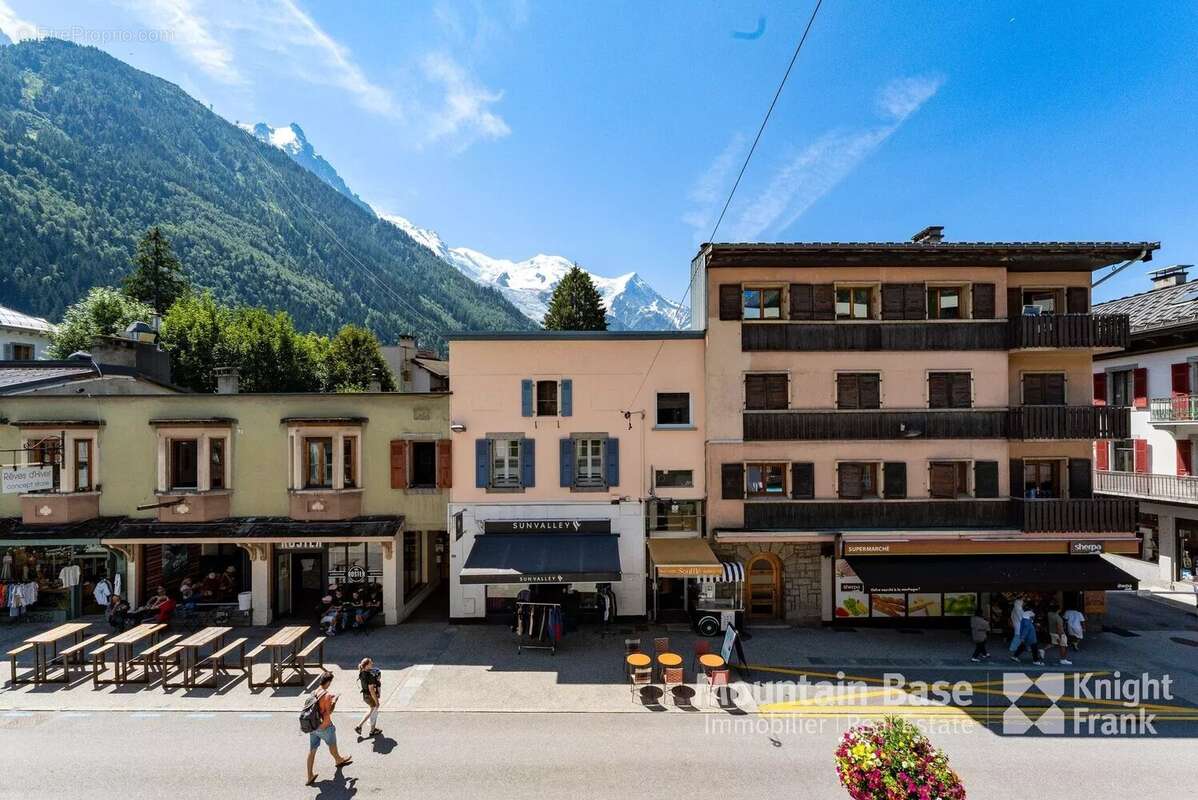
117 613
160 608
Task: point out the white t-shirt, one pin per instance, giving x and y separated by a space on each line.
69 576
1073 622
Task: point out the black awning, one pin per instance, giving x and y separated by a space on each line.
994 573
542 558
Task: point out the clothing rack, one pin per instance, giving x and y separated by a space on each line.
533 636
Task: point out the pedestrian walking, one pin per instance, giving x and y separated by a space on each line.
1057 635
979 628
1075 627
372 684
1016 623
1027 640
326 731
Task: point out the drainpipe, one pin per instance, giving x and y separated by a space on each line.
1118 269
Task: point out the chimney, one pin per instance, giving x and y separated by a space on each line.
227 379
137 350
933 234
1174 275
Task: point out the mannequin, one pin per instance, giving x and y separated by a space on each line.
6 566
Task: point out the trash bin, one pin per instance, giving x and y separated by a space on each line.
245 601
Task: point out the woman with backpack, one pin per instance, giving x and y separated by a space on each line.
316 720
371 681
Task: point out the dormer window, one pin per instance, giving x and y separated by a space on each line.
193 455
326 454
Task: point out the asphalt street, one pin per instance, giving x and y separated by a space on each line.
528 756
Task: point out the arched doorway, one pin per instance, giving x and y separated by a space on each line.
763 587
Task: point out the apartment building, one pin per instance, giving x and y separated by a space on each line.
904 431
23 337
1154 379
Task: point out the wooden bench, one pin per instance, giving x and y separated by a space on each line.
100 662
247 663
157 656
303 659
73 655
12 657
216 661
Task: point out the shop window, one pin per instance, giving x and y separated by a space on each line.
546 398
318 463
505 463
767 392
856 480
948 479
355 564
944 302
673 409
1044 389
424 465
1125 455
1120 382
349 462
950 390
1187 549
858 390
676 515
83 465
216 463
765 480
183 465
588 461
761 303
413 564
1042 479
673 478
854 302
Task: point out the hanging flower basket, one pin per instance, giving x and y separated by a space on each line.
893 760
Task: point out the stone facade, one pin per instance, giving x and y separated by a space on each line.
801 574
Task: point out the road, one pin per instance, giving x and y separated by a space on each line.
530 756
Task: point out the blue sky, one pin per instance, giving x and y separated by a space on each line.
611 132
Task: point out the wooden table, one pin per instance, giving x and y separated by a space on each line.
192 645
123 644
283 646
45 647
711 661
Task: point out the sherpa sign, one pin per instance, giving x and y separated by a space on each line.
547 526
17 480
1085 548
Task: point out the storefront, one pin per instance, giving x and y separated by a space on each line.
691 584
1187 549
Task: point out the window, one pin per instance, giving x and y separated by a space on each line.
46 453
761 304
318 463
856 480
366 556
673 478
1041 479
216 463
83 465
950 390
765 480
858 390
413 564
588 463
675 515
673 409
1121 388
424 465
1125 455
184 464
1044 389
944 302
854 302
546 398
349 462
505 463
1044 299
22 352
766 392
949 479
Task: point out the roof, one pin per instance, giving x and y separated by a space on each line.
22 376
1156 309
572 335
14 528
11 318
1030 256
376 527
437 366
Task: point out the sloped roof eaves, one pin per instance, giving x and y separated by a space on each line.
14 528
22 376
436 366
11 318
1158 309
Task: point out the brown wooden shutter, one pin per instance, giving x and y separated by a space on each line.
1081 481
938 390
914 298
730 301
732 481
776 394
894 480
1054 389
985 479
960 394
1014 303
755 392
1033 390
1077 300
869 391
848 481
944 480
801 301
823 301
399 464
1016 477
1140 455
802 480
892 301
444 464
846 391
983 301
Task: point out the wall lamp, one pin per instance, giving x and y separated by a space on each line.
457 427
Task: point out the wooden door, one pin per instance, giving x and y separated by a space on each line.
763 587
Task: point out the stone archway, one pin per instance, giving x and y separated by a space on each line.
764 598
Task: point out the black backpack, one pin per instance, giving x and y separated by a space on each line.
310 715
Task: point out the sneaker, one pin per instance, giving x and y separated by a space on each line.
1065 662
975 659
1016 660
1037 663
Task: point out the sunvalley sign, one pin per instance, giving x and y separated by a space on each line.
17 480
547 526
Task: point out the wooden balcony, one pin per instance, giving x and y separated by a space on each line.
1069 422
872 336
1147 486
1082 516
1104 331
761 426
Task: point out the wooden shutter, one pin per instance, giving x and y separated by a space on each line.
802 480
892 301
1081 481
847 392
823 301
776 394
565 461
983 301
960 391
914 299
894 480
482 463
732 481
985 479
567 398
1033 390
1139 379
801 301
526 397
528 462
755 392
869 391
1077 300
848 481
943 480
1185 457
399 464
1100 388
1016 477
1054 389
1140 454
730 301
611 460
444 464
1180 373
1102 455
938 390
1014 303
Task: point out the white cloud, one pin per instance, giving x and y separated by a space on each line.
709 191
191 34
464 111
15 27
902 97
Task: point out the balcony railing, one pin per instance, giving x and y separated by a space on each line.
1067 516
1180 408
1147 486
1071 330
872 336
1070 422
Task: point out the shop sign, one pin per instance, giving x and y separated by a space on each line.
547 526
1085 548
18 480
862 549
356 574
313 545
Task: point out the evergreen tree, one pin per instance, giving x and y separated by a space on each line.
576 304
354 359
103 312
158 276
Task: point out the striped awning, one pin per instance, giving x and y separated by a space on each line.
733 571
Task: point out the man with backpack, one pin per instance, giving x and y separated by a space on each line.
316 720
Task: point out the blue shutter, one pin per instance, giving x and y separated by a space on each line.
482 463
526 398
567 461
528 463
567 398
611 461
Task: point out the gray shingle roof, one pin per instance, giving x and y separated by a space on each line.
1156 309
22 373
11 318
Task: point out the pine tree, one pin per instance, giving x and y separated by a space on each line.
576 304
158 277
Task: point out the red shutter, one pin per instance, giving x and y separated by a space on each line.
1185 458
1140 454
1139 380
399 464
1181 379
1100 388
444 464
1102 455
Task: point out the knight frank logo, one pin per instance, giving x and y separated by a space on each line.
1051 720
1086 703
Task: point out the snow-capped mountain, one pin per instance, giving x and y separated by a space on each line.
4 39
631 303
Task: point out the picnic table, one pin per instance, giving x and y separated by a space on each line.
285 646
45 647
123 644
190 650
